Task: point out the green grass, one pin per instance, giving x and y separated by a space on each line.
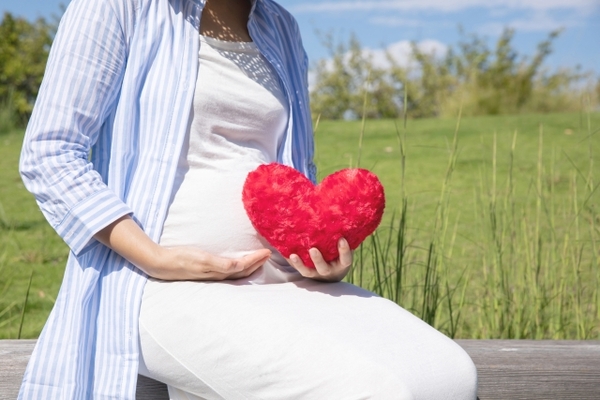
492 233
27 244
495 231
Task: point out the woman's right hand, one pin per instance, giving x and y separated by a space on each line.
127 239
192 263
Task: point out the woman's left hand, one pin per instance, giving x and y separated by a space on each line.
334 271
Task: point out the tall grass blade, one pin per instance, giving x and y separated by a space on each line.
25 306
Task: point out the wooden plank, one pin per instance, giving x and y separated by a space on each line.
14 355
150 389
536 369
508 369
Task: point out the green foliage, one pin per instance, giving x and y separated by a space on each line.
8 120
471 76
500 81
24 48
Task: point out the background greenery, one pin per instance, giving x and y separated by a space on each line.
534 274
24 48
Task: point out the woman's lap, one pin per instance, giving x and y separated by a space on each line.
300 339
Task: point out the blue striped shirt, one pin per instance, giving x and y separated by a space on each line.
103 142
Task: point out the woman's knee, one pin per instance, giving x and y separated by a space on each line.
446 373
462 378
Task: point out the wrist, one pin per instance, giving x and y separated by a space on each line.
157 260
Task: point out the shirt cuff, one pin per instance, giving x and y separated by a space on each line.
90 216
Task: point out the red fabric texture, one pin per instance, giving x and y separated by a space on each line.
293 214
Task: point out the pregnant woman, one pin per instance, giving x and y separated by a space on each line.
150 116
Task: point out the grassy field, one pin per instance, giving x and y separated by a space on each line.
27 245
492 229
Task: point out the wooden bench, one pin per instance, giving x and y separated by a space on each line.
508 369
14 355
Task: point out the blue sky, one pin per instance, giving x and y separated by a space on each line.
392 23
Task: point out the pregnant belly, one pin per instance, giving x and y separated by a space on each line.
207 212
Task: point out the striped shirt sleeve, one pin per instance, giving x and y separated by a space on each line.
79 90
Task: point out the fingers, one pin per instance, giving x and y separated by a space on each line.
247 264
246 272
322 267
345 253
251 263
321 272
223 265
259 256
212 267
324 271
297 263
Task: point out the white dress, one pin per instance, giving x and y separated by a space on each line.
275 334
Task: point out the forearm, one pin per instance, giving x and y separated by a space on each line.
127 239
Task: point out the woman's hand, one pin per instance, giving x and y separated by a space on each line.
334 271
126 238
191 263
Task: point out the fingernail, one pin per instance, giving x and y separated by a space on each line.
313 251
342 242
294 258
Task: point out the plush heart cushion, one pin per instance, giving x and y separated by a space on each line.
294 215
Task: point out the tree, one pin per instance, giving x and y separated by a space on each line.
349 84
24 48
473 76
504 80
426 82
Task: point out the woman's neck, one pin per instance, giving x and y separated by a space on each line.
226 20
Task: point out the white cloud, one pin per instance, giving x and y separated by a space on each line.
540 21
442 5
401 53
395 21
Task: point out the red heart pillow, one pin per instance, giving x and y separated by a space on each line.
294 215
